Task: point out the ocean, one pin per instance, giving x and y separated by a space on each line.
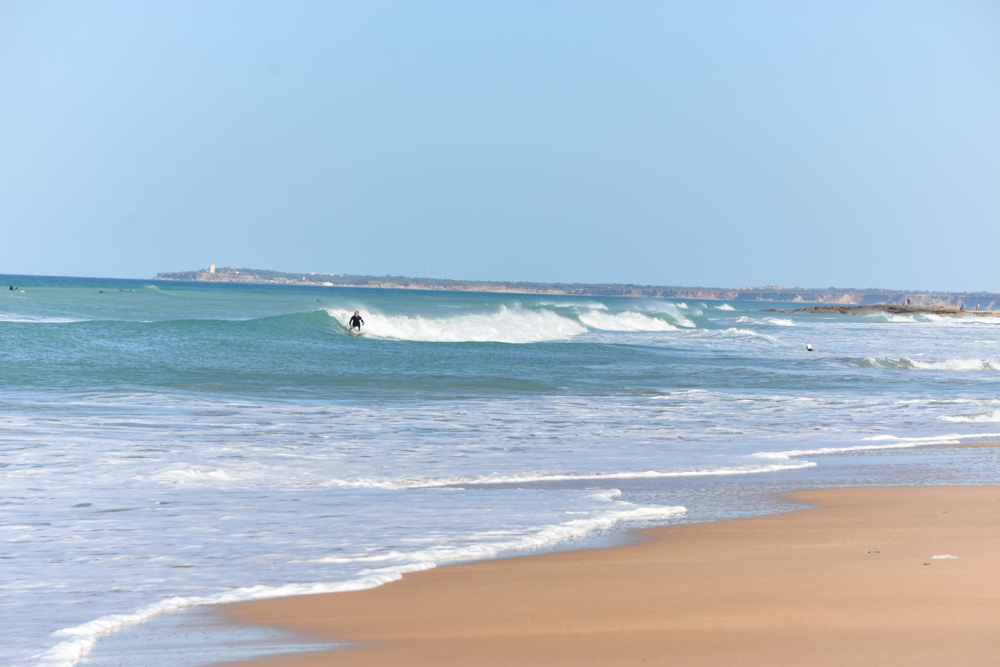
165 446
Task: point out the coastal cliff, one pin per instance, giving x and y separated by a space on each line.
779 294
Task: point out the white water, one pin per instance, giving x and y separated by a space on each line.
75 641
627 321
908 363
988 416
506 325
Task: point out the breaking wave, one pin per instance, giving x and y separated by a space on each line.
989 416
775 321
29 319
735 333
929 318
628 321
906 363
517 324
506 325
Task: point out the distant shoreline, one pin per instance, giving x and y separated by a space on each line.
770 293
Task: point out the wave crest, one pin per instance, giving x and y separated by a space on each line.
907 364
627 321
992 416
31 319
506 325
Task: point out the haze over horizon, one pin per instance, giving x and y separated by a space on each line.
722 144
768 287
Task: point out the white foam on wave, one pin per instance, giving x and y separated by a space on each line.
506 325
891 442
673 312
890 317
76 641
908 363
589 305
993 416
955 364
725 306
548 535
30 319
193 474
775 321
930 318
627 321
562 477
792 453
734 333
922 440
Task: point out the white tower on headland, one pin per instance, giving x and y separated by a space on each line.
211 268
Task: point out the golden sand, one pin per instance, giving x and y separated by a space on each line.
853 581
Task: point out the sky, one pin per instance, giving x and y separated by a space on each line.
716 143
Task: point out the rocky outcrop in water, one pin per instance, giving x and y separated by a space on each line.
888 308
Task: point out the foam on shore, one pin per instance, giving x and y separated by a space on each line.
76 641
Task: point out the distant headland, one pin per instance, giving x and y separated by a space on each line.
769 293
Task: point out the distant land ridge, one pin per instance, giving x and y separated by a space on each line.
832 295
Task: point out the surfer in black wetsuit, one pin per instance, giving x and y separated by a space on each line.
356 322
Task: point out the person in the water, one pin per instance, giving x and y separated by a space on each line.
356 322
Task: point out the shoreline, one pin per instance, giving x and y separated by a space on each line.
766 294
851 580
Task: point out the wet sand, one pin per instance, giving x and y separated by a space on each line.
852 581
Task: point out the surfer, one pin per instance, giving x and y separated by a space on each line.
356 322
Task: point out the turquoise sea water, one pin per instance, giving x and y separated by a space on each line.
174 444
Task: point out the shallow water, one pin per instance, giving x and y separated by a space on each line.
183 444
198 636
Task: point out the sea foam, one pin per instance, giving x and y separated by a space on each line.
29 319
515 478
76 641
909 363
505 325
990 416
627 321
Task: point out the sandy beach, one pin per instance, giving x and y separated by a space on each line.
861 578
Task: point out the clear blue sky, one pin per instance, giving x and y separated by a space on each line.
683 143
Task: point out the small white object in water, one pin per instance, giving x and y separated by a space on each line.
943 556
